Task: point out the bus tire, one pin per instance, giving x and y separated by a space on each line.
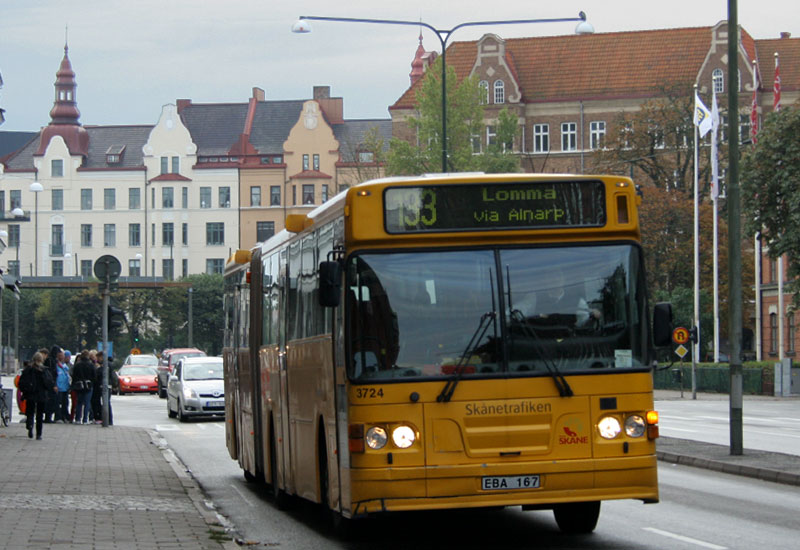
249 478
340 526
279 496
577 518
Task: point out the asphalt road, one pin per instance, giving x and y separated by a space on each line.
699 509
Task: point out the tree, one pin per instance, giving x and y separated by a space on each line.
465 121
357 156
770 181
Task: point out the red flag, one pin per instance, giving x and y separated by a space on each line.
776 88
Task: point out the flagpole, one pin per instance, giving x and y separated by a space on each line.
695 346
757 248
716 282
715 204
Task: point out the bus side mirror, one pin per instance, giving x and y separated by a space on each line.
330 286
662 324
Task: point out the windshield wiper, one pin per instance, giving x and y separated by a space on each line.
564 389
477 336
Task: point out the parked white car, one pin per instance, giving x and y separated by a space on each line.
196 388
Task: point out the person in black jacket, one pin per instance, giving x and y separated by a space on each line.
36 385
51 364
83 377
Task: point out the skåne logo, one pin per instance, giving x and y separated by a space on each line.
573 428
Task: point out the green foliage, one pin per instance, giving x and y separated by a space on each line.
465 119
770 181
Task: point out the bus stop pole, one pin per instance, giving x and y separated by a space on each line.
104 389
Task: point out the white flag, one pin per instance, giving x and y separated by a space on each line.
702 116
714 159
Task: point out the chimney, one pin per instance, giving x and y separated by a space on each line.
786 35
258 94
322 92
182 104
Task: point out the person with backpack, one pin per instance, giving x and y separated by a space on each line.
36 385
82 382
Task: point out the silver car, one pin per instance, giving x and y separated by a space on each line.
196 388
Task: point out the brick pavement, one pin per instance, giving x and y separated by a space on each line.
92 487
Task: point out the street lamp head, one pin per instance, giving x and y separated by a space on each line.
584 27
36 187
301 26
18 212
3 234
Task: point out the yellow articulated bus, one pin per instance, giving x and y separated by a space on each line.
449 341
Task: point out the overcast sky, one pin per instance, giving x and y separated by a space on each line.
132 57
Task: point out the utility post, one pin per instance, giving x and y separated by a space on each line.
107 268
190 339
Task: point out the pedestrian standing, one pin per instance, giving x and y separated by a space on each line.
50 361
63 383
97 411
82 380
35 383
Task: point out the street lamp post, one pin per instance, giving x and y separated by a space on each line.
302 27
36 188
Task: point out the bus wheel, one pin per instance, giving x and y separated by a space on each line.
249 478
279 496
339 525
577 518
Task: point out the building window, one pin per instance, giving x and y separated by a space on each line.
185 234
57 168
13 235
86 268
57 199
305 162
184 197
153 197
315 159
255 195
205 197
275 195
224 197
773 333
109 235
744 128
134 268
569 136
167 269
58 268
475 140
597 134
308 194
86 199
134 234
153 234
13 268
264 230
167 197
215 233
491 135
15 196
185 267
791 332
484 86
86 234
324 192
499 91
164 165
167 234
57 240
215 266
294 194
541 138
109 199
366 157
2 201
176 165
718 81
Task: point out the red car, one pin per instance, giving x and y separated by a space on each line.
137 379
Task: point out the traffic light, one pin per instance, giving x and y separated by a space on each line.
116 317
693 336
135 335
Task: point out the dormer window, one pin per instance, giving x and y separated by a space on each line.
114 154
484 86
499 91
718 81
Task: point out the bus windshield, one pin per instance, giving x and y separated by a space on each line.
495 312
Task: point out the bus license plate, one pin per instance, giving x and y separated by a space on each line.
509 483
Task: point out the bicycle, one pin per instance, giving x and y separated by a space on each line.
5 408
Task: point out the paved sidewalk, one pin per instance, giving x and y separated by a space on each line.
106 488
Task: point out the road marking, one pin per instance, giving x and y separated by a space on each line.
167 428
220 426
241 494
674 417
685 539
200 426
678 429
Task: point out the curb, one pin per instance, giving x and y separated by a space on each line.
764 474
217 523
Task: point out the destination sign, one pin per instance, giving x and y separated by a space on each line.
518 205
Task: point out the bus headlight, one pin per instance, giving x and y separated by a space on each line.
635 426
376 438
403 437
608 427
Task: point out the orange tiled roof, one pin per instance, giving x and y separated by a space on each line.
572 67
789 51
